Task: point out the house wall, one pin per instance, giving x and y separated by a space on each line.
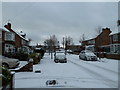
102 39
17 41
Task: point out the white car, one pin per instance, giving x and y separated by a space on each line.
60 57
87 55
9 62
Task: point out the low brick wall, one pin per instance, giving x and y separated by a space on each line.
113 56
27 68
109 56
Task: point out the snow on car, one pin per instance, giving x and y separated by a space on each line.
87 55
9 62
60 57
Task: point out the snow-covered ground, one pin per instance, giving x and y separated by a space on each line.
75 73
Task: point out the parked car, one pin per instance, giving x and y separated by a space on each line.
9 62
60 57
87 55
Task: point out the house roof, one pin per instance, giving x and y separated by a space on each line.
19 34
114 31
4 29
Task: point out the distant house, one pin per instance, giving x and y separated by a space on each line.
107 44
89 44
115 42
75 48
13 41
98 43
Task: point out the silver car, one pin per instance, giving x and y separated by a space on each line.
60 57
87 55
9 62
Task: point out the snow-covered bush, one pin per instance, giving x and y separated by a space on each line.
36 58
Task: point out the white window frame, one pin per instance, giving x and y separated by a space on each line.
114 48
12 36
115 37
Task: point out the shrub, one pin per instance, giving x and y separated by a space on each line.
6 76
9 54
21 55
40 51
36 58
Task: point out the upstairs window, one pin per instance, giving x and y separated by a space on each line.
115 37
9 36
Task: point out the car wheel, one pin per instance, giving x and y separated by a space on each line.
86 58
5 65
56 61
65 61
79 57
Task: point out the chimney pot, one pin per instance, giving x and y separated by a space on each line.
9 25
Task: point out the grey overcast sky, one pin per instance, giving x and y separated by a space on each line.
39 20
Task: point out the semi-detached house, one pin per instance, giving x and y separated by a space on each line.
12 41
106 44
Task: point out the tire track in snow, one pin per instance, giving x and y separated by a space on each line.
108 70
106 80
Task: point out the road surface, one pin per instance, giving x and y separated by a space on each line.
75 73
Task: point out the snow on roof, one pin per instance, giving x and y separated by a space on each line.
4 29
38 48
21 33
90 46
21 36
114 31
77 44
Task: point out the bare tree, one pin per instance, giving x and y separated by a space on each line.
67 41
51 43
82 38
98 30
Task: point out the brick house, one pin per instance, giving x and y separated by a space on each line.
2 38
115 43
106 44
102 42
13 41
89 44
98 43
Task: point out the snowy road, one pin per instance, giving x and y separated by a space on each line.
74 74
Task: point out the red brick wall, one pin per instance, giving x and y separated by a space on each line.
113 56
17 41
103 38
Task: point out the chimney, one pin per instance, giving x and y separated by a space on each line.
106 29
9 25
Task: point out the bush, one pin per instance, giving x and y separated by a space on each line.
40 51
6 76
21 55
36 58
9 54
